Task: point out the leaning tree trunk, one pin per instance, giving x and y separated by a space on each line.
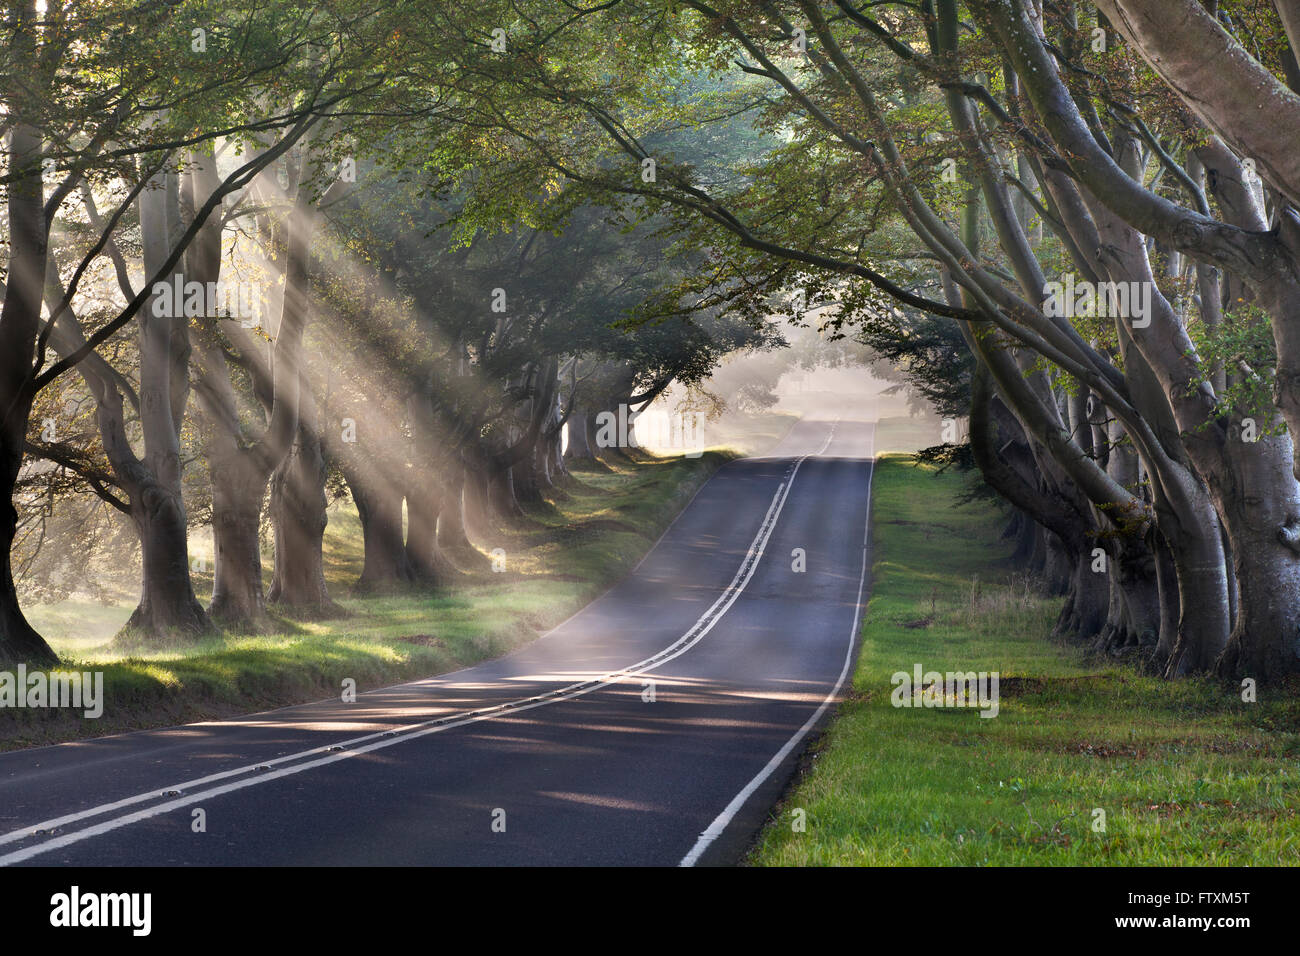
19 641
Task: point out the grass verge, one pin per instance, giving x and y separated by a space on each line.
1185 772
575 546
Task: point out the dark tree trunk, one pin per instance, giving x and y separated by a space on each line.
502 502
167 605
1087 605
238 485
1058 567
453 540
1133 619
424 556
1024 530
19 321
1170 607
18 640
299 518
379 505
530 476
526 483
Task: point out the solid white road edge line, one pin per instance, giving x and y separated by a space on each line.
684 643
723 819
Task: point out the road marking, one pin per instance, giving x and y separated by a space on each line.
723 819
330 754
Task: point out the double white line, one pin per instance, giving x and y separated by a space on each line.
185 794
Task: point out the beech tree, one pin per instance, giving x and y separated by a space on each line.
1074 223
1006 139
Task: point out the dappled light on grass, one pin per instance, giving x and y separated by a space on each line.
385 639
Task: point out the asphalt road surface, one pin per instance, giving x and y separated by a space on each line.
657 726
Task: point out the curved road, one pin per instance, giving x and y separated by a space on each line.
655 727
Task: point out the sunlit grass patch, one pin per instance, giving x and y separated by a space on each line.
586 539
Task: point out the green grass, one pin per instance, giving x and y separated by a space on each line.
575 546
1186 772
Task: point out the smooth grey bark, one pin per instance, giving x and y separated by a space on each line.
1231 92
167 601
1254 490
250 463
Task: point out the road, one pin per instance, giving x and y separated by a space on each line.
655 727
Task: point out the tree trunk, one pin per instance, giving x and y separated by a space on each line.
299 517
453 540
167 601
1087 605
238 486
379 505
502 501
19 321
1170 607
1261 511
1134 617
527 478
427 563
580 446
19 641
1199 563
167 605
1022 528
478 517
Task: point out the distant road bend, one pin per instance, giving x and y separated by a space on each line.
655 727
